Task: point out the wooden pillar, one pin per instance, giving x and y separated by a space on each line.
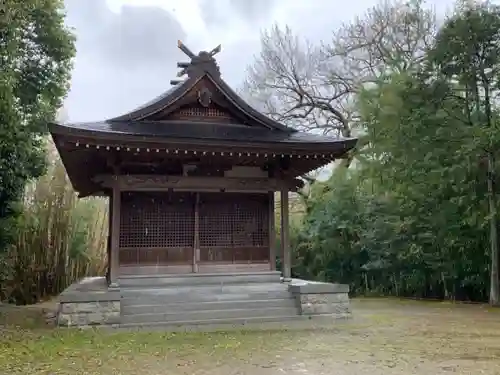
272 233
196 242
285 236
115 237
108 243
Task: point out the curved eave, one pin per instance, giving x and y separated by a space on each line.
81 163
77 168
111 132
172 95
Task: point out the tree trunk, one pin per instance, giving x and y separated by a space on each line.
494 284
445 287
395 282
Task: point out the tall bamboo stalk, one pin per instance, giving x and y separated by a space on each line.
61 239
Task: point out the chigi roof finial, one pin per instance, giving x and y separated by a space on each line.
204 62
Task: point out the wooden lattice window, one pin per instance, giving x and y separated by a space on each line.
231 220
157 220
199 112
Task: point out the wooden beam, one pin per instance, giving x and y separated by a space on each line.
115 238
110 231
196 247
272 233
285 237
194 183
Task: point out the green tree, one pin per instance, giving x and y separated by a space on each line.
422 155
408 219
36 51
414 214
467 51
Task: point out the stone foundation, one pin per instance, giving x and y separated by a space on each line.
89 303
77 314
315 298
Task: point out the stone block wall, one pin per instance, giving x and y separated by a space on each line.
315 298
89 310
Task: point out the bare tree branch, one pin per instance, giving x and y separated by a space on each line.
313 88
391 37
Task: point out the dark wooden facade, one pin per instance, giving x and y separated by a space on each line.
191 177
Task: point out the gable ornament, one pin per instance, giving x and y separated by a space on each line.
205 97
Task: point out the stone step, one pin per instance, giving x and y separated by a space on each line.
199 279
131 307
205 289
223 288
211 325
156 299
206 315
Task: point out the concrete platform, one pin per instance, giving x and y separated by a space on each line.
220 278
90 289
175 302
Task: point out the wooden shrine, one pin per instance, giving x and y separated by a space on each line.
191 177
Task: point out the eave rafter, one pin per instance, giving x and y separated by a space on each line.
295 154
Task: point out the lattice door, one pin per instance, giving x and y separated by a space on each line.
234 227
156 228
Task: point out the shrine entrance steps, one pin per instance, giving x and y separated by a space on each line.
197 299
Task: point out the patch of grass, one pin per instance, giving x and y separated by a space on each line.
387 301
63 351
384 337
22 316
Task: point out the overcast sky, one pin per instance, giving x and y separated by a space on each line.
127 54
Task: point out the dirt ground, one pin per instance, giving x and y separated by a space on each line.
384 337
